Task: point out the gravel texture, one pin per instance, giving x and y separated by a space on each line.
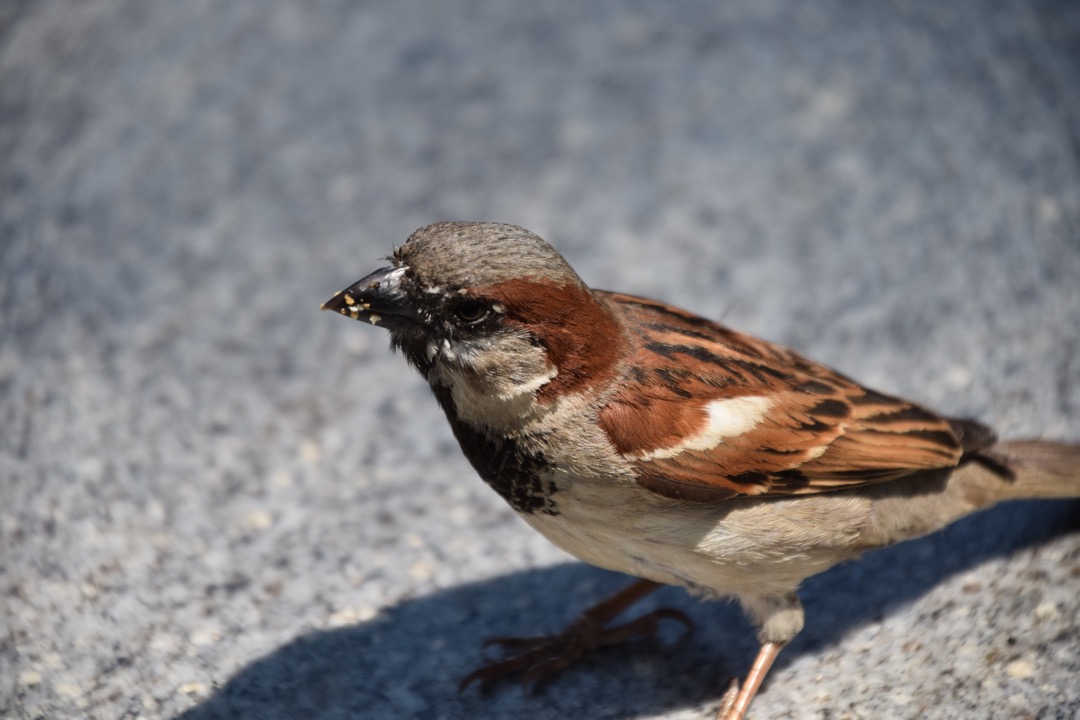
216 502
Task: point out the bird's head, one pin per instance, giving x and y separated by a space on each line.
490 311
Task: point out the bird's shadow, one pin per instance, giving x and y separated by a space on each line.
407 661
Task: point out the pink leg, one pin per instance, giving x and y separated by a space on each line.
736 702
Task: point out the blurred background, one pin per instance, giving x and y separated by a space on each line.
216 501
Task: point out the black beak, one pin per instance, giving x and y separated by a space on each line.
378 299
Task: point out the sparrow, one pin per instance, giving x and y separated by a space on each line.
644 439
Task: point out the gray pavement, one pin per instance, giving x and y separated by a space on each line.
216 502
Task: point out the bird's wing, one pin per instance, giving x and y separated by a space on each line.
705 413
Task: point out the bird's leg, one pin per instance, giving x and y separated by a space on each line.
544 656
736 701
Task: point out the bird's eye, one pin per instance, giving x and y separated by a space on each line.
471 311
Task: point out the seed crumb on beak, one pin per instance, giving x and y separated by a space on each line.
374 319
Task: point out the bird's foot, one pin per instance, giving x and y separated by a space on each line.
543 657
727 703
736 700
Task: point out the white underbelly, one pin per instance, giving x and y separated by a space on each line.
725 549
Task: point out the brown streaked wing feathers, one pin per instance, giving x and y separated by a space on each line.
822 431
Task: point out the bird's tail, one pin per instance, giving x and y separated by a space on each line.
1007 470
1029 469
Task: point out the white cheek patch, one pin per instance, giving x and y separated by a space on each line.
725 419
530 385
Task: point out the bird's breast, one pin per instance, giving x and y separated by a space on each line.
520 477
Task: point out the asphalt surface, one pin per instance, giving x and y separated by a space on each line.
216 502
